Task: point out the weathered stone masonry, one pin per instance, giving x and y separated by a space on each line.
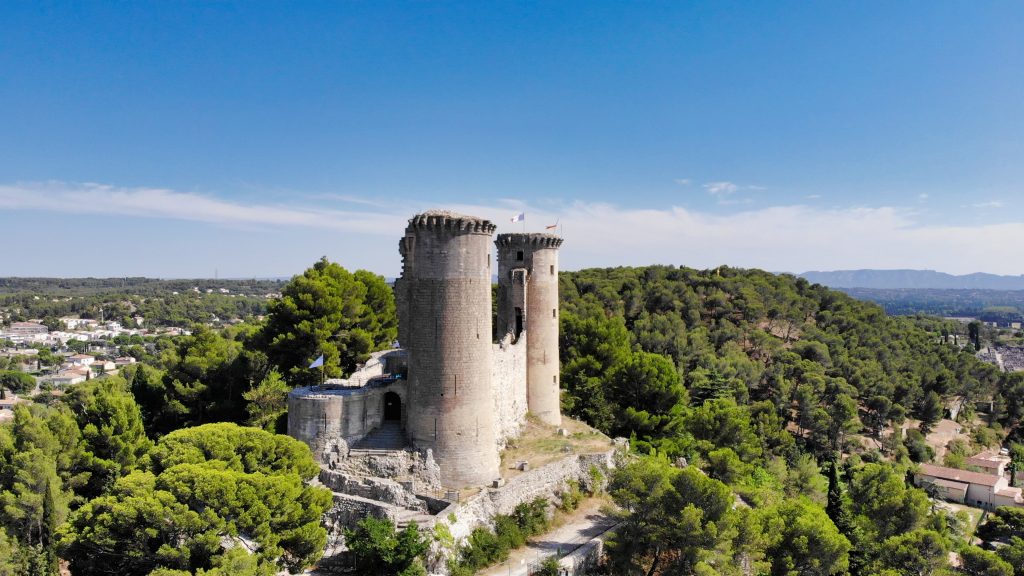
446 289
462 396
528 300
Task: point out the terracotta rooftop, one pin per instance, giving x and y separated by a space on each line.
959 475
1010 492
983 461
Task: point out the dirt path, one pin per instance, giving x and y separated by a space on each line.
579 528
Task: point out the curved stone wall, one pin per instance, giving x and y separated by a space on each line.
445 295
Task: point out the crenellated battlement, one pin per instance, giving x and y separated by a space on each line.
451 222
534 240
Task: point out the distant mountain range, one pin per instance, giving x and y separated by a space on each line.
914 279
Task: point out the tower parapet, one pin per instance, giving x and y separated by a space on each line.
444 302
528 302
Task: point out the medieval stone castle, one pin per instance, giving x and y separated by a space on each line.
451 391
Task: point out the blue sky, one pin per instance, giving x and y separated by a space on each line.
174 139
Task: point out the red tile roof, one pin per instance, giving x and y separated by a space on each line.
959 475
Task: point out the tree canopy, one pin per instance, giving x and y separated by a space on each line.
331 311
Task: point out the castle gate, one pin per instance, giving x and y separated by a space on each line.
392 407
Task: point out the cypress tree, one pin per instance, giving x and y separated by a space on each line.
838 509
49 529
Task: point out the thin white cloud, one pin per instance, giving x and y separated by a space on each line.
922 196
351 199
794 238
93 198
989 204
812 197
682 181
721 188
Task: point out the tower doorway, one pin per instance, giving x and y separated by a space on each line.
392 407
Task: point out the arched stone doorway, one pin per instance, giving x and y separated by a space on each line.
392 407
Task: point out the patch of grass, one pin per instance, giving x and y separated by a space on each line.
540 444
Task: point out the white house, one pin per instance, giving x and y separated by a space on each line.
971 488
102 366
69 377
124 361
81 360
989 462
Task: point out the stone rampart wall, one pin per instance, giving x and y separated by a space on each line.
509 381
319 417
343 410
545 482
585 559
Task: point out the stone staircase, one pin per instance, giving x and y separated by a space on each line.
388 437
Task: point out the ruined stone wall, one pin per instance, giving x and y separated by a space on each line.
545 482
368 493
417 468
511 294
509 381
445 291
537 254
587 558
379 489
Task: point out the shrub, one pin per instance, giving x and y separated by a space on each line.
571 496
549 567
917 448
486 547
596 480
532 517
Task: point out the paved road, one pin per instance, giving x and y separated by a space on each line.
584 525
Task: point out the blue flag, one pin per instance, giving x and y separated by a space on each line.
318 362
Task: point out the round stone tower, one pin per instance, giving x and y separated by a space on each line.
444 304
528 301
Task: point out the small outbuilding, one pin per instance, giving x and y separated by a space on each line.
971 488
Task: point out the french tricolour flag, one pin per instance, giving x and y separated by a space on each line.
519 217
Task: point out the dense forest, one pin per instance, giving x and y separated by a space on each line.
781 392
765 415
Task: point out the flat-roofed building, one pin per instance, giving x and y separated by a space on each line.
27 329
81 360
70 377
